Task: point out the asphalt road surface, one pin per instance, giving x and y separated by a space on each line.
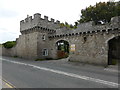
23 73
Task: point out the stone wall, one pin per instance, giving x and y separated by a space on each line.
26 47
9 52
91 41
89 48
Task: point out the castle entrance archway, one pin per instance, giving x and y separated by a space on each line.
114 50
62 49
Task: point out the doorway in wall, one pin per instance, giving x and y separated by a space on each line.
114 51
62 49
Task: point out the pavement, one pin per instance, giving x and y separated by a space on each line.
23 73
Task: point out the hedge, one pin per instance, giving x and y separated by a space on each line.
9 44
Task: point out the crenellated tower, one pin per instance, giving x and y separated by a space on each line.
44 24
35 33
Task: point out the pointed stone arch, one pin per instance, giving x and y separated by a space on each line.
62 47
114 50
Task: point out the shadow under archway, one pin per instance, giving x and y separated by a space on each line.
62 49
114 51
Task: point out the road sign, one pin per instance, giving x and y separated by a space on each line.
72 48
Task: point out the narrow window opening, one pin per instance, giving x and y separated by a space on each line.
45 52
43 37
85 39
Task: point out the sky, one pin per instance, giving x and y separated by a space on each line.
13 11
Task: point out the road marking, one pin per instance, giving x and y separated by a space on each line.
111 70
8 83
67 74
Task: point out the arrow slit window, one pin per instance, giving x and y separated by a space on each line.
43 37
45 52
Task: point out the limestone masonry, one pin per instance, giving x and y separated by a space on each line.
95 44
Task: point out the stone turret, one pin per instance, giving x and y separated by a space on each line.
30 22
46 18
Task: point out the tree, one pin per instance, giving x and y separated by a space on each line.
9 44
62 25
118 8
76 23
102 11
69 26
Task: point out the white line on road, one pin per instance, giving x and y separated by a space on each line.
67 74
111 70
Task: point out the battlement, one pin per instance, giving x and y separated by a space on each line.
38 16
89 28
31 22
87 33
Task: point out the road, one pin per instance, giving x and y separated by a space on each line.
56 74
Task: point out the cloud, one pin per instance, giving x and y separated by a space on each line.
3 29
6 13
8 36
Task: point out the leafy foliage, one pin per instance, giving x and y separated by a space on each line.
69 26
62 54
102 11
9 44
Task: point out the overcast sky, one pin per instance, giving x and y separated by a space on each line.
13 11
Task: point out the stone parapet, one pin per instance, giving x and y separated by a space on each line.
31 22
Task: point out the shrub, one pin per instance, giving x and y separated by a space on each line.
62 54
49 58
114 61
9 44
43 59
15 56
39 59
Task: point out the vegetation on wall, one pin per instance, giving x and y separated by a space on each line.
9 44
69 26
101 12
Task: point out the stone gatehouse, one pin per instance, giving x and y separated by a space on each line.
89 43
